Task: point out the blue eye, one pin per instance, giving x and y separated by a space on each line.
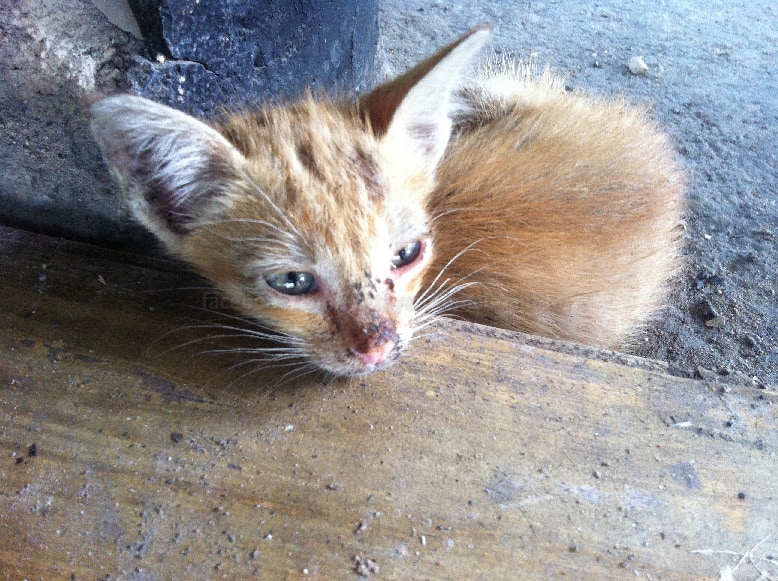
406 255
293 283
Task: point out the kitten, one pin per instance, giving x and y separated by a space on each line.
345 227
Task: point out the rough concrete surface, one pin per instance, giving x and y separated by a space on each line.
709 74
232 53
52 55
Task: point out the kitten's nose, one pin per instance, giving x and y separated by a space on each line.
376 354
373 344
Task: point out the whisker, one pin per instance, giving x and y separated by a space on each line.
420 298
445 308
279 212
447 311
294 362
268 362
437 301
431 333
446 213
296 372
259 329
238 332
436 298
268 354
271 350
254 221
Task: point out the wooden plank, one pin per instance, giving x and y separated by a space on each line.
129 454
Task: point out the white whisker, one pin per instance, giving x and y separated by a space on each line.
257 222
279 212
297 371
420 298
446 213
447 310
259 330
280 363
238 332
442 294
270 354
285 351
438 298
445 307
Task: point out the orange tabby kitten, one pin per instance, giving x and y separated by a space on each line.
346 227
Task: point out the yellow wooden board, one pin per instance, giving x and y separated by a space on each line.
128 453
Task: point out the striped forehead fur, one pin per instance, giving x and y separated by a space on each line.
318 139
324 167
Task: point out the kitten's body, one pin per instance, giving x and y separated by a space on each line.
346 226
570 204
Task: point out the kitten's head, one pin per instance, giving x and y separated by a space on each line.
311 217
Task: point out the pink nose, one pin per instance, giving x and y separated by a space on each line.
376 354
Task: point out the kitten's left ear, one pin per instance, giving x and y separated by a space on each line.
417 105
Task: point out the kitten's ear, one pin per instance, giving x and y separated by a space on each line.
417 105
171 166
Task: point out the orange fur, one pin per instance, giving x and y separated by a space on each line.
570 204
502 198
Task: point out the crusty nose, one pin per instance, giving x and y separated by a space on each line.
376 355
374 343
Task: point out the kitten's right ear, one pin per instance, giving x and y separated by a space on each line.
171 166
416 106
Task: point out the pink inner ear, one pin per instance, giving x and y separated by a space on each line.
174 162
426 134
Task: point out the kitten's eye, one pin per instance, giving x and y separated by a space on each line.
293 283
407 254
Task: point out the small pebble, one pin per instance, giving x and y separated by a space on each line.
637 66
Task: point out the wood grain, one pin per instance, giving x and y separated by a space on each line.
128 453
